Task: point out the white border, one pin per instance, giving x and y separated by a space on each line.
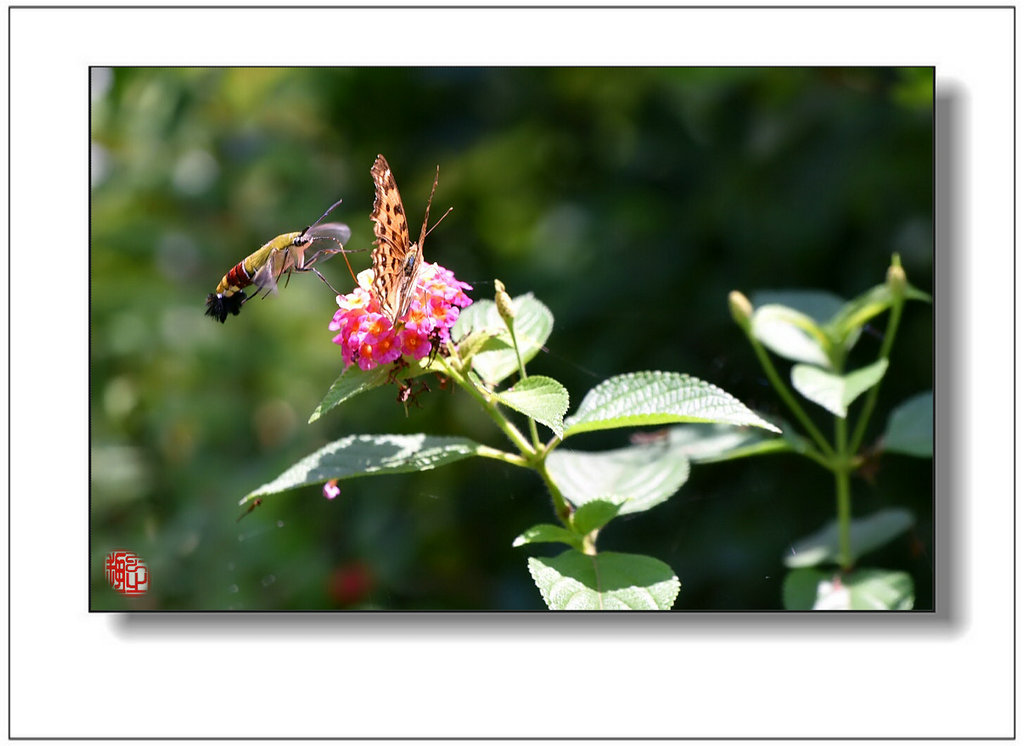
74 674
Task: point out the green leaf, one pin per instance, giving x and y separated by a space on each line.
594 514
703 443
861 590
363 455
533 324
820 305
866 534
639 477
791 334
836 392
910 427
849 320
655 398
540 398
880 590
856 313
802 589
608 580
547 532
354 381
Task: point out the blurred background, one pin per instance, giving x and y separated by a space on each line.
629 201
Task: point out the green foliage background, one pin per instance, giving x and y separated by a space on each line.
629 200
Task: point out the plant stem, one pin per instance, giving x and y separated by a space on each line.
489 406
562 508
590 543
549 446
841 468
791 402
872 397
534 435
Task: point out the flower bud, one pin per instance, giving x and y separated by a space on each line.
740 308
896 278
504 302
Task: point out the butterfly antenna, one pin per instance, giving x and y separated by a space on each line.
321 218
426 215
436 224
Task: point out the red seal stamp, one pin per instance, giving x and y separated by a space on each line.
127 573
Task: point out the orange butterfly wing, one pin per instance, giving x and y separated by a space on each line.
396 260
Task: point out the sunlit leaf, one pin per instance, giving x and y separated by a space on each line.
836 392
791 334
654 398
639 477
533 324
880 590
540 398
364 455
606 581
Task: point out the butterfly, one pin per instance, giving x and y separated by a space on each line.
396 260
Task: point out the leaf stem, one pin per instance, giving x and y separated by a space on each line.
872 397
490 406
784 393
508 458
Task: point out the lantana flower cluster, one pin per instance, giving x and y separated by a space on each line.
368 338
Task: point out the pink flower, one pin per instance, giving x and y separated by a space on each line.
368 338
331 489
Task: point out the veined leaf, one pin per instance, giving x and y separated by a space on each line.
477 317
910 427
533 324
639 477
606 581
866 534
540 398
364 455
836 392
655 398
547 532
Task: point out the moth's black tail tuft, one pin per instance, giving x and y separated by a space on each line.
219 306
